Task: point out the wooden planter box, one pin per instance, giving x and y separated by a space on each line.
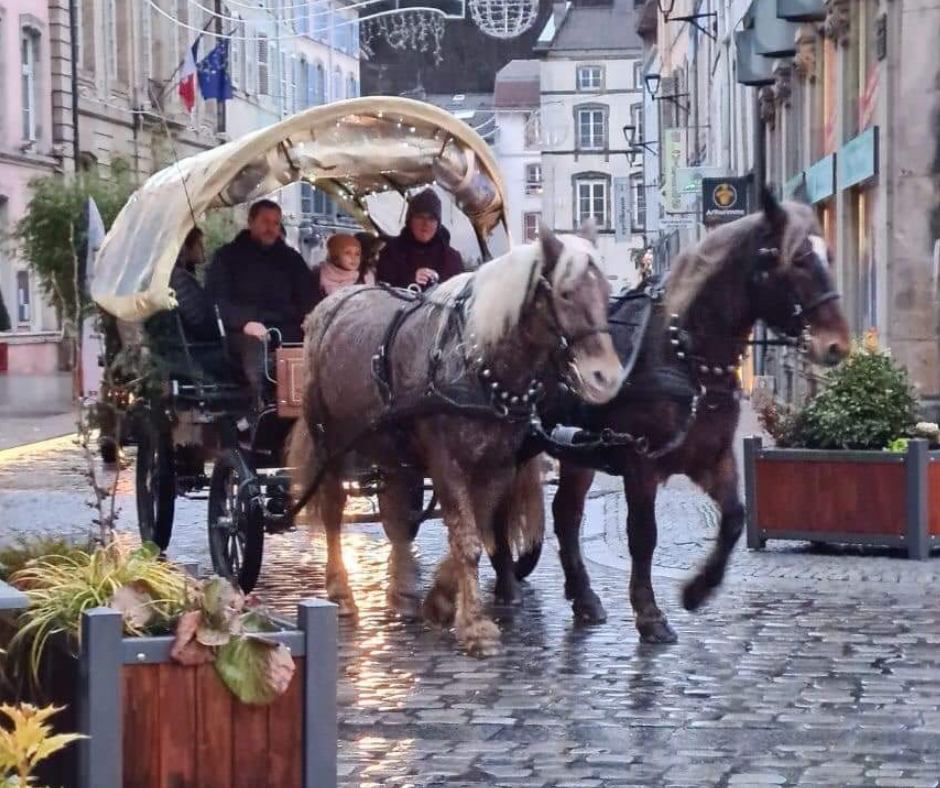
847 497
154 723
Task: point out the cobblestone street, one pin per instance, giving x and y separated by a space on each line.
807 669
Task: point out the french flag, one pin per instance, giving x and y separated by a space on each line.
187 84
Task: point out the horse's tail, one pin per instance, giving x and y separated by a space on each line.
300 458
526 516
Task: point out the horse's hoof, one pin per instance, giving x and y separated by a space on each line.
657 631
347 607
405 605
438 608
695 593
588 609
509 593
480 638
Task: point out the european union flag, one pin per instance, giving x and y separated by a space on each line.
212 70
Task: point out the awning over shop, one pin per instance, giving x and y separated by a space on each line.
773 36
801 10
753 69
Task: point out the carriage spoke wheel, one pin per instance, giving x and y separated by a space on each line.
236 520
155 483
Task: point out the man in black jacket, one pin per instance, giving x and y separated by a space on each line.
260 283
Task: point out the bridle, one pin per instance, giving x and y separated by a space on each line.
565 341
793 325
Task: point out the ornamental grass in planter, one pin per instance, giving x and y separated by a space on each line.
850 466
175 682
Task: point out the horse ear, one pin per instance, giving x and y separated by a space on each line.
551 249
774 212
588 230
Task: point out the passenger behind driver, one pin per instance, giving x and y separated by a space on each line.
195 308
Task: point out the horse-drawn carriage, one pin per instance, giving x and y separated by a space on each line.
367 155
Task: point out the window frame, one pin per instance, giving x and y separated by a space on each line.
534 186
31 59
531 234
24 300
591 68
592 179
582 109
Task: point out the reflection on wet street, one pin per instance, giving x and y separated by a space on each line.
768 685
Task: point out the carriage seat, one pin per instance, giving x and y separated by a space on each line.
201 368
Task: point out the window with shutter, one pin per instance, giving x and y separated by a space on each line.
285 64
298 89
184 36
337 85
87 39
146 40
321 84
29 69
122 44
111 36
264 75
311 82
306 199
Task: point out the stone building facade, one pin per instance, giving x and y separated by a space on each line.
838 100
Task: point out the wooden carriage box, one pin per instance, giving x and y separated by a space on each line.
153 723
848 497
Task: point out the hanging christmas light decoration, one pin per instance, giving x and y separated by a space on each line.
422 31
504 18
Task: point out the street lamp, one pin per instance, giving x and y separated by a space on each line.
635 146
652 84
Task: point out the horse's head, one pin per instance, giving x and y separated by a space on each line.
577 298
792 288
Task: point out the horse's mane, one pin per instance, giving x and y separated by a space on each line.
696 266
502 287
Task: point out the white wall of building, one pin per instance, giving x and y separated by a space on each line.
566 161
519 162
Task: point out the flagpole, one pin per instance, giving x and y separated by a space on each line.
169 80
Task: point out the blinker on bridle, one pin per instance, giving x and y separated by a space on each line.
800 310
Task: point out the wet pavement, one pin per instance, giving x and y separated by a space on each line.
807 669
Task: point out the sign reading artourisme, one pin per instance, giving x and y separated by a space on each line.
723 200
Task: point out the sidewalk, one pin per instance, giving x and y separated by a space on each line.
34 408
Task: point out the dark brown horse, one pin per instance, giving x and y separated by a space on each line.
447 383
679 410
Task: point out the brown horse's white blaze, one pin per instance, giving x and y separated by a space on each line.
536 313
828 329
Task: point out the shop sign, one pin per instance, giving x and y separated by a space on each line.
674 158
858 159
821 179
724 200
623 221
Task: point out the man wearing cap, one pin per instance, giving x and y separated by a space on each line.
422 253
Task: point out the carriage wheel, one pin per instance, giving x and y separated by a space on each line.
527 562
155 484
236 520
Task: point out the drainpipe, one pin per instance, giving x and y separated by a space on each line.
73 33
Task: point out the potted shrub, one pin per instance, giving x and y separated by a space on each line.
851 466
173 682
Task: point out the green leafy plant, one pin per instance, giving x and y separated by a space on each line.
868 402
223 630
61 588
27 740
52 230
